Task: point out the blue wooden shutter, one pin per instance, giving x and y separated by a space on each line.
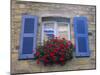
81 36
28 37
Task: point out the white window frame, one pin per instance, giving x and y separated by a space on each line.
55 29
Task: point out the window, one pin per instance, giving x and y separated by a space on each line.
52 26
55 27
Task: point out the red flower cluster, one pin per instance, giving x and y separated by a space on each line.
54 51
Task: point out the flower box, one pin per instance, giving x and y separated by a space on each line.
54 51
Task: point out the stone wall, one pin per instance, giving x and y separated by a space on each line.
47 9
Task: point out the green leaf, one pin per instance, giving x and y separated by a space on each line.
64 43
41 53
35 58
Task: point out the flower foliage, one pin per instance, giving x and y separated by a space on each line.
54 51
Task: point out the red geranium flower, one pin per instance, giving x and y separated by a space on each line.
52 54
57 62
54 51
46 61
69 43
63 62
37 53
54 58
61 59
38 61
62 45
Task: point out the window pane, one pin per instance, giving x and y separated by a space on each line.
48 34
48 31
49 25
62 30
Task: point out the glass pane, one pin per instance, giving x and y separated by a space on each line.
49 25
48 31
62 30
48 34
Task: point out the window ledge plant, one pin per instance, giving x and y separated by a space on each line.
54 51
